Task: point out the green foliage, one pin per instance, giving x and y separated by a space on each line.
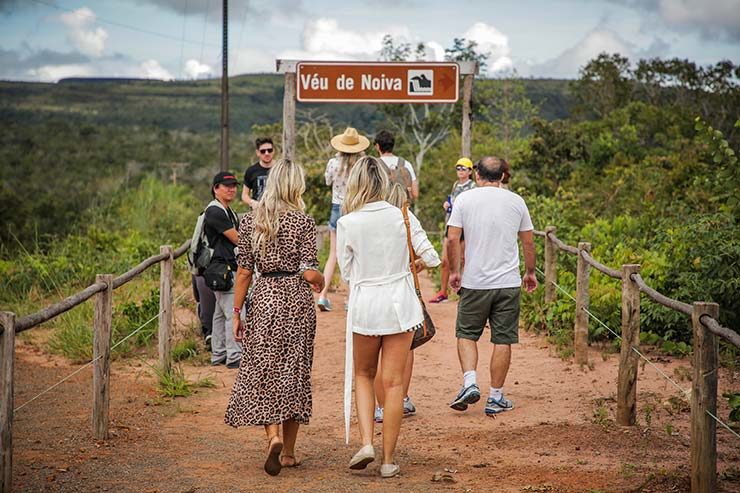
136 317
733 400
183 350
173 383
73 337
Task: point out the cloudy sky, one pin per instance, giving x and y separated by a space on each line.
45 40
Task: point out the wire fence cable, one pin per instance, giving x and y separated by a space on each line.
645 358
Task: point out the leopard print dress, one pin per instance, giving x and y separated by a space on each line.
274 380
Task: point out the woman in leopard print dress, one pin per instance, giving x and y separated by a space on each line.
273 386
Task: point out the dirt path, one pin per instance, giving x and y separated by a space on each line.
561 436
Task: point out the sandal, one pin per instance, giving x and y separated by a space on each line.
272 463
296 462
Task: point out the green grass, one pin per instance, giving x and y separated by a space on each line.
184 350
174 383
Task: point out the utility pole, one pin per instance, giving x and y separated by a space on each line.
225 90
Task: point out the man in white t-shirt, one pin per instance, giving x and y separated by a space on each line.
384 144
492 219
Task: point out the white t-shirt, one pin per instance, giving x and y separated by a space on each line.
491 219
392 162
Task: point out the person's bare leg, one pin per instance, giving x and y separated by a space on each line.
395 353
290 433
379 393
467 352
272 431
407 373
500 361
365 351
445 269
331 264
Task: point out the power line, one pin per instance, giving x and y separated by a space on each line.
127 26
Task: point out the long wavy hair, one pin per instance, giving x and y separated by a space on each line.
283 190
347 160
368 181
396 195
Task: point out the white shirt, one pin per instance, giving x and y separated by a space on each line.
392 163
373 256
337 181
491 219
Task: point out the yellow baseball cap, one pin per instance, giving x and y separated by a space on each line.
463 161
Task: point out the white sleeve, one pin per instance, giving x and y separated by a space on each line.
422 246
329 173
344 251
410 167
456 218
526 223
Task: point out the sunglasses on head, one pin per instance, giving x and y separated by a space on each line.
265 151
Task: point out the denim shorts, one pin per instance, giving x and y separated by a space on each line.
336 213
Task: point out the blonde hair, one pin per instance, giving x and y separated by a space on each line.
396 195
347 160
368 181
285 185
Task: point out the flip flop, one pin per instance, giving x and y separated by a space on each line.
296 462
272 463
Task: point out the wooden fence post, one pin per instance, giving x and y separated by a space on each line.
7 355
102 326
580 332
703 399
165 308
628 359
551 266
466 112
289 115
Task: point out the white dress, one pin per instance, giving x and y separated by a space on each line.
373 257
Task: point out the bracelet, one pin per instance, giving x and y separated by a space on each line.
237 310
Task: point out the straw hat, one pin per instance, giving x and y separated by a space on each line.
350 141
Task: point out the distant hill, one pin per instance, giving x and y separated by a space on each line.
195 105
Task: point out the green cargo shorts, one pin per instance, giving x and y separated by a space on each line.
499 306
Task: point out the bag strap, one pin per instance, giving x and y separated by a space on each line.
412 255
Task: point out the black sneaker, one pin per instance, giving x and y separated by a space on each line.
234 364
208 342
218 362
468 395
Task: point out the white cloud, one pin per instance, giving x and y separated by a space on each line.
52 73
571 60
90 41
151 69
325 39
713 19
196 70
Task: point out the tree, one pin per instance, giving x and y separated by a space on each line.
504 103
604 85
424 125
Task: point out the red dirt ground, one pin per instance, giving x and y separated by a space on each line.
561 436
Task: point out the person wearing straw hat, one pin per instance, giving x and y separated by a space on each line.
349 146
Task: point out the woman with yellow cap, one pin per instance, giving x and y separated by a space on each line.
464 169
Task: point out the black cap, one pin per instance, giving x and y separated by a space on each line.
225 178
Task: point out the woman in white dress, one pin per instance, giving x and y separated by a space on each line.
384 311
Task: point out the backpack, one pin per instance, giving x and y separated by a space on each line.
402 176
201 251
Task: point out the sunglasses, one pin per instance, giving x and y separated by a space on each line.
461 168
266 151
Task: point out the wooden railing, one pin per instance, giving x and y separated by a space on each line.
706 331
102 288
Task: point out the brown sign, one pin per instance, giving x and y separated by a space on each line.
377 82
